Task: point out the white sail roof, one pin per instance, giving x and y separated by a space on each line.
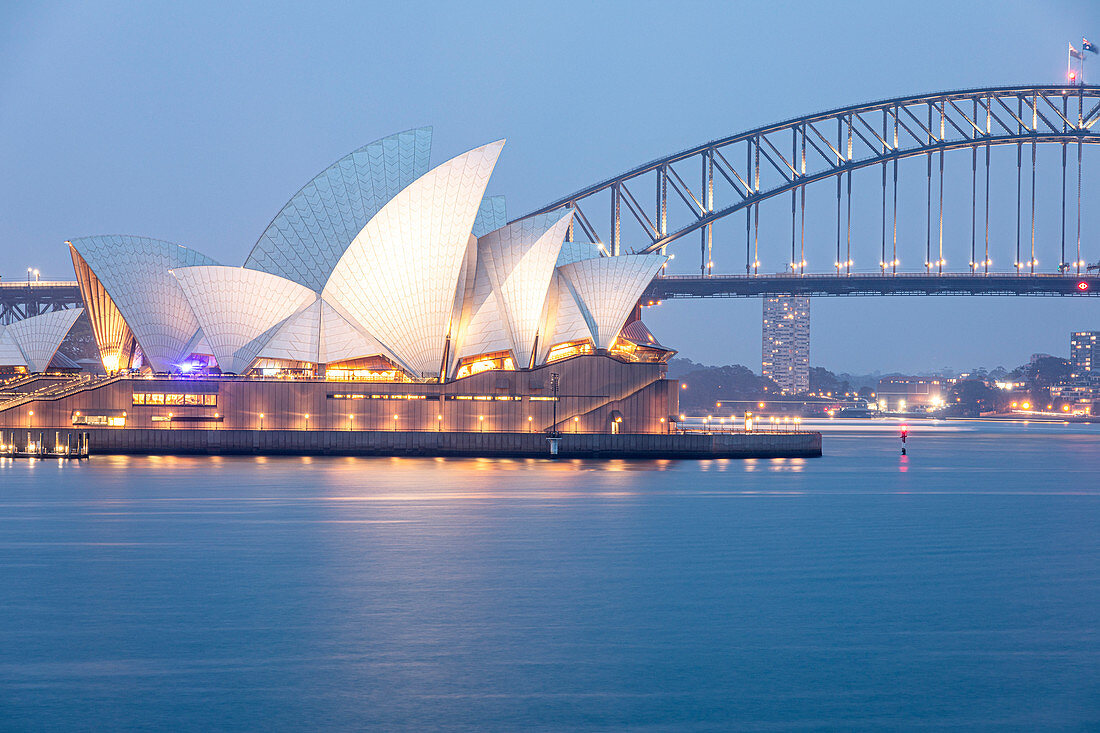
519 261
38 337
341 340
608 288
563 319
399 277
483 328
135 273
297 337
10 355
492 214
576 251
313 230
240 310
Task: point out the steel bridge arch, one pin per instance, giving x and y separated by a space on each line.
903 127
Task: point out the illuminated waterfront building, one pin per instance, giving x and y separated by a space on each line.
785 352
403 282
908 394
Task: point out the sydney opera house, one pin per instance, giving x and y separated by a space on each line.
387 294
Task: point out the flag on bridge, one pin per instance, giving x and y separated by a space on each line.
1086 46
1074 53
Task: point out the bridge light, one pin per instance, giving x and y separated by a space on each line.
1072 77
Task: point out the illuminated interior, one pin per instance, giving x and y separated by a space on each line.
627 350
485 362
282 368
367 369
568 349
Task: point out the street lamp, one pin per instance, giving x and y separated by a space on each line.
481 423
530 424
350 419
575 421
395 423
555 380
261 420
307 421
439 423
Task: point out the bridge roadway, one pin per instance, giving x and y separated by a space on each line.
20 299
754 286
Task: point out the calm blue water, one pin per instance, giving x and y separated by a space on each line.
958 588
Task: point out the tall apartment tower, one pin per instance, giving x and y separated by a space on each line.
785 354
1084 358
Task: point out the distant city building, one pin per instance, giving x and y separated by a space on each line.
1084 354
905 394
1084 364
785 355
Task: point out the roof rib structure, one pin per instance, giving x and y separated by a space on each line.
607 289
240 310
519 261
399 276
33 342
308 236
129 277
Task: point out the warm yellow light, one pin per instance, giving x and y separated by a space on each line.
395 417
307 416
261 415
480 417
31 413
1026 405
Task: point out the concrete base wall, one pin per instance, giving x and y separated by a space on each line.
400 443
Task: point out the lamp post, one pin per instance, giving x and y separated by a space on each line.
576 421
555 380
530 424
307 421
439 423
481 423
395 423
351 418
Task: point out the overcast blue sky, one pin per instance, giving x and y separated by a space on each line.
195 122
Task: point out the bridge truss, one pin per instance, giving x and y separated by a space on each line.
736 174
24 300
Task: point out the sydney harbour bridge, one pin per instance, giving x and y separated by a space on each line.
1015 187
712 195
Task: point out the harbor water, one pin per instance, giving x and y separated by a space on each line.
955 587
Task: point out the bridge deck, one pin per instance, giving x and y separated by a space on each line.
750 286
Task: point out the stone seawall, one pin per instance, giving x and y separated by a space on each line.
402 443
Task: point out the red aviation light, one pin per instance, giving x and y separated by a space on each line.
1072 77
1082 286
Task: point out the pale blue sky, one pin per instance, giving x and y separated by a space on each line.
194 122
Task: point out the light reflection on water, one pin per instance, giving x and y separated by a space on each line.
956 586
